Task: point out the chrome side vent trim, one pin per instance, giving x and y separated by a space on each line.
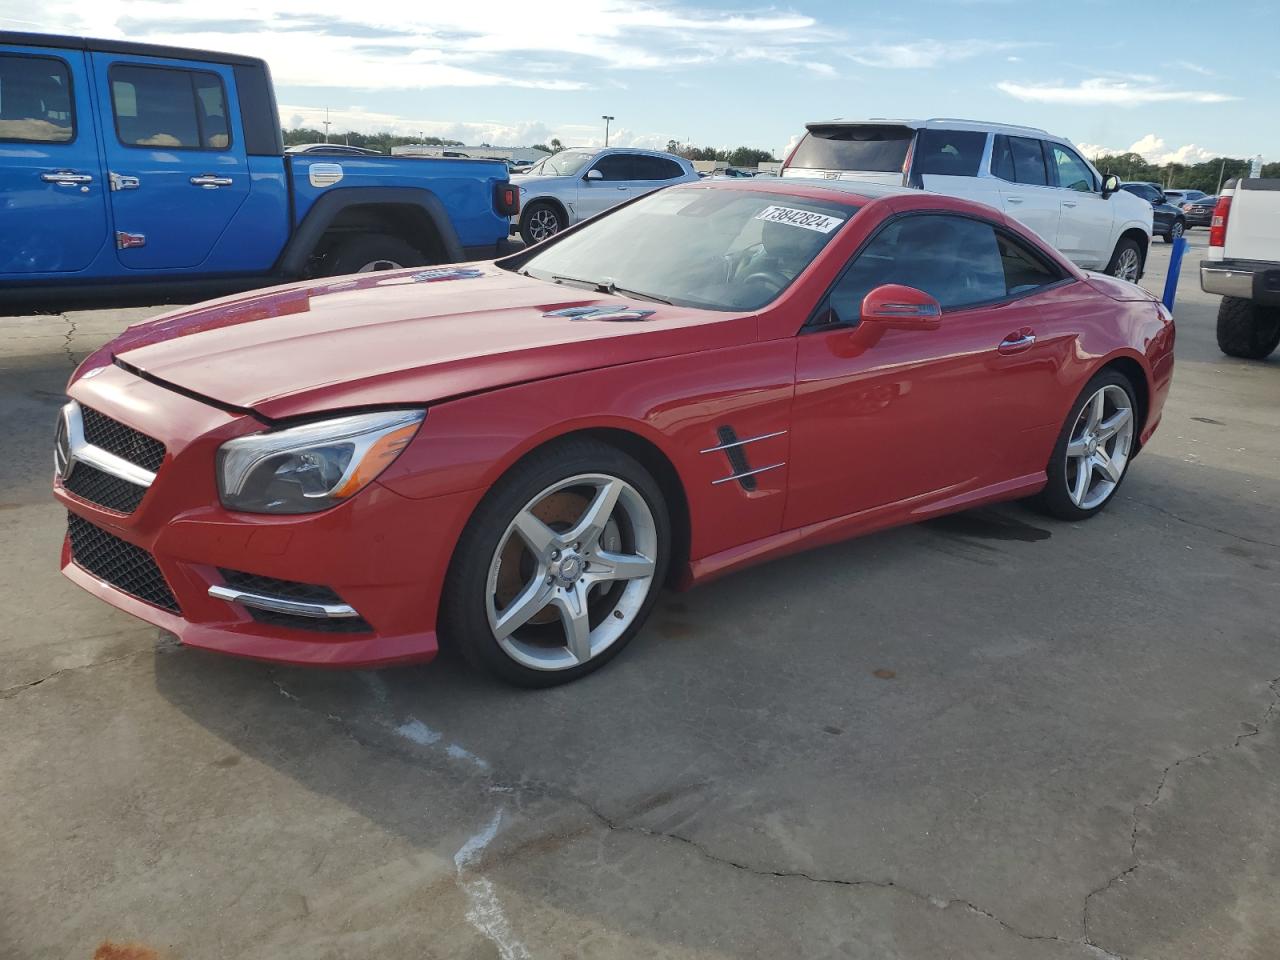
739 466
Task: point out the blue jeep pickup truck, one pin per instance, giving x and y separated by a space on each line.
132 164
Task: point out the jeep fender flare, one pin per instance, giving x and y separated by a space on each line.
323 213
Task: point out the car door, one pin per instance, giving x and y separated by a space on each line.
53 212
1025 191
177 166
596 195
1085 227
923 416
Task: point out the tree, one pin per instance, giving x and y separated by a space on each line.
556 145
383 141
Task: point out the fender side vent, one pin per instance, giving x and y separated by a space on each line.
738 461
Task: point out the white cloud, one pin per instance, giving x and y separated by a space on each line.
1153 149
919 54
1195 68
1104 91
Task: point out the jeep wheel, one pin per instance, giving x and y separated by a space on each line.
368 253
1247 330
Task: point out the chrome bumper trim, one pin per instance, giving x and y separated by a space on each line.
297 608
1227 281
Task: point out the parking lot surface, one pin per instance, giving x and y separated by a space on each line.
992 735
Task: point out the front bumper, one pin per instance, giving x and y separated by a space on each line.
1256 280
382 554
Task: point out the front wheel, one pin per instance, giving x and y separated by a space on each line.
1247 330
560 565
1126 261
1093 450
1175 231
540 221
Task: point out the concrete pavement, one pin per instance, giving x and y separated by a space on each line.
992 735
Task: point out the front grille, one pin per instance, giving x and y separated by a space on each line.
125 442
129 569
89 483
292 590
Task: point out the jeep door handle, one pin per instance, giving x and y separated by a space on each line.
66 178
1017 342
209 181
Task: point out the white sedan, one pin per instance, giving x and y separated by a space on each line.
576 184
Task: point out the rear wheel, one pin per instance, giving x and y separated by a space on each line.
1126 261
1247 330
1093 450
366 253
560 565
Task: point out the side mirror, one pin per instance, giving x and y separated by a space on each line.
1110 184
594 174
901 307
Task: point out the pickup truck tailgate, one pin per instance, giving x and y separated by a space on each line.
1253 230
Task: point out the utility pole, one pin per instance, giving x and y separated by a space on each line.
326 124
606 118
1221 172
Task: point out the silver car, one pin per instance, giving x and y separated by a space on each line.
573 185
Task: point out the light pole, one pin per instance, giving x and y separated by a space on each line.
606 118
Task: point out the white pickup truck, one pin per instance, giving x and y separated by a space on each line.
1244 266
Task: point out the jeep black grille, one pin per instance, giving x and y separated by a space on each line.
127 568
89 483
126 442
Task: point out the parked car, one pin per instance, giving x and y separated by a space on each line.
575 184
333 149
515 456
1028 173
1243 265
163 169
1181 197
1168 220
1199 213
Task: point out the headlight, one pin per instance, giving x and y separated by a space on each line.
314 466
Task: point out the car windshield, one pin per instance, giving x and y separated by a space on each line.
564 164
698 246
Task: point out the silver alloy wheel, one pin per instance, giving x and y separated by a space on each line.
1176 230
592 576
1099 447
375 265
543 223
1127 265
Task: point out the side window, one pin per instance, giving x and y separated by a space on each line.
1072 172
35 100
1028 161
949 153
1023 271
1002 160
160 107
653 168
616 166
954 259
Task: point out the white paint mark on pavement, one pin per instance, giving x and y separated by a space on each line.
484 911
417 731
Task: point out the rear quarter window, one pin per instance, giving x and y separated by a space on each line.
869 147
949 153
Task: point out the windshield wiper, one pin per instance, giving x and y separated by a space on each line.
608 286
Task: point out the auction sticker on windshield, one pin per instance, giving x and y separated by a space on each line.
821 222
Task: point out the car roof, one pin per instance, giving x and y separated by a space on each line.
947 123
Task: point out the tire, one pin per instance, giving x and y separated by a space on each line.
1126 260
550 493
1247 330
368 252
1176 229
540 220
1061 496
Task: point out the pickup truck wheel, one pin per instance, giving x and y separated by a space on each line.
540 220
370 252
1126 262
1247 330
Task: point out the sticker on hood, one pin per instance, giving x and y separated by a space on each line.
614 312
447 273
821 222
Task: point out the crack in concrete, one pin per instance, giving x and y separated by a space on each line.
67 339
9 693
1202 526
1142 807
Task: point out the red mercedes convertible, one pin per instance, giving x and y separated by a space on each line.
513 457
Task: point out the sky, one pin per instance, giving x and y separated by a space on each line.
1161 79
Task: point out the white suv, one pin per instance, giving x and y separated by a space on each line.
1031 175
575 184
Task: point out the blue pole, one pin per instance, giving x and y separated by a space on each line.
1175 267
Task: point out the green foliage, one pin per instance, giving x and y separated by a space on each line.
738 157
1195 176
375 141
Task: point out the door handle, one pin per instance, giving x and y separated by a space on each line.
1013 199
211 182
1017 342
66 178
121 182
1068 203
622 188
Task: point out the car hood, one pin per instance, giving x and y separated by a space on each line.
414 336
528 182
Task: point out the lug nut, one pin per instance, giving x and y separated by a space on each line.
555 554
